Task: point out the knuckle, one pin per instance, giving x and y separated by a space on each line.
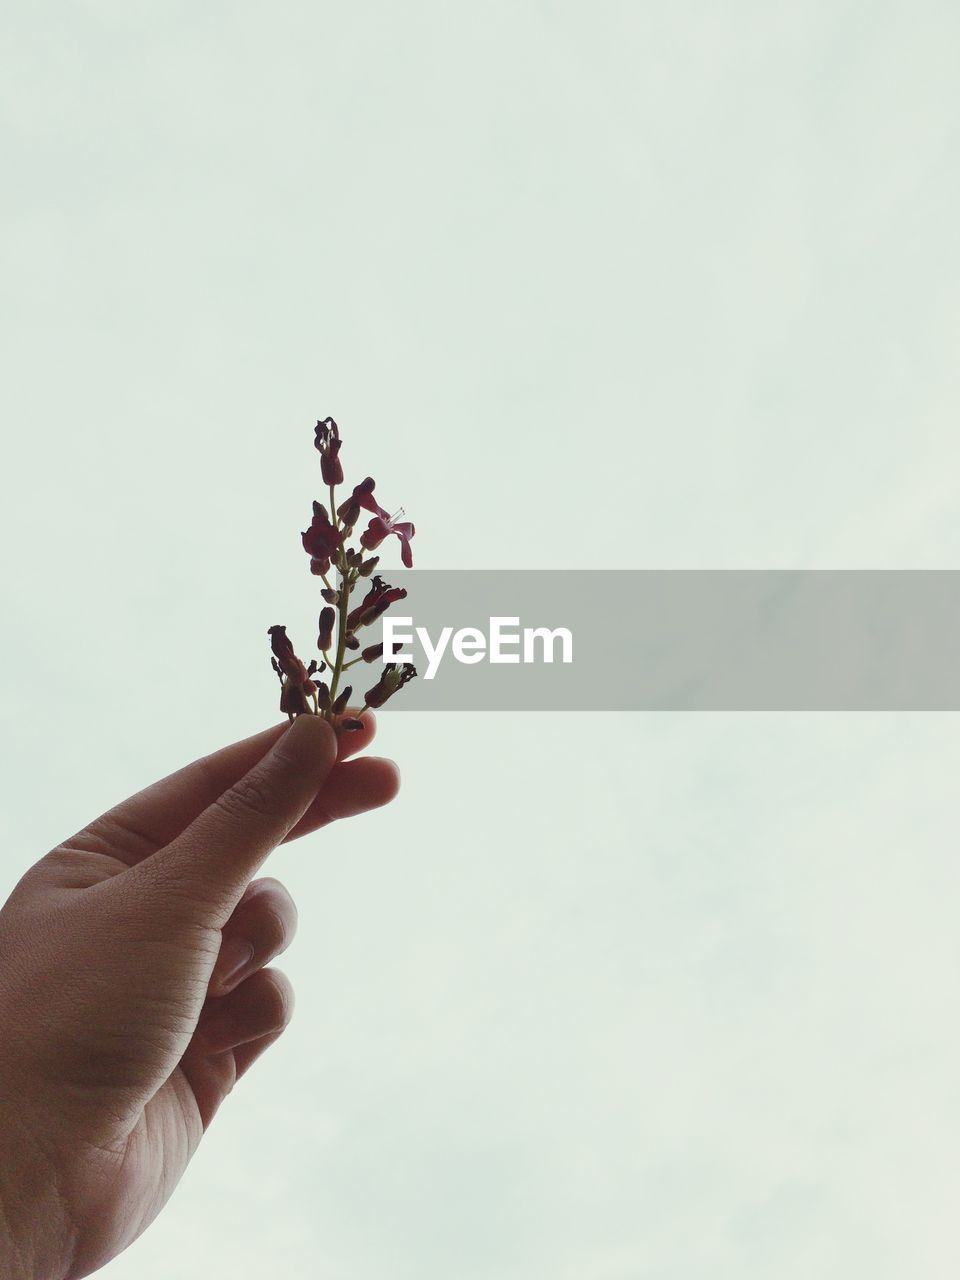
268 917
249 797
169 889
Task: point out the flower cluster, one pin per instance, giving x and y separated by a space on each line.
327 543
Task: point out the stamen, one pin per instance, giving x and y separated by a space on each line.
396 515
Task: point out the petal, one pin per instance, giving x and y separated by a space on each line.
363 493
331 469
374 534
405 532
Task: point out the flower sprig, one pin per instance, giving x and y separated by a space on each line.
327 543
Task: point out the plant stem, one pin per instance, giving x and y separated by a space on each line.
341 623
343 601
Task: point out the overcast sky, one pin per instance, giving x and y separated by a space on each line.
633 284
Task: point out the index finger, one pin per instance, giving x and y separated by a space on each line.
209 864
156 815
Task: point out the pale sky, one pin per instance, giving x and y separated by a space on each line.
600 997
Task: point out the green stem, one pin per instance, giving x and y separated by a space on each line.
342 603
341 622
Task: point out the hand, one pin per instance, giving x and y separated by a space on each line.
124 1021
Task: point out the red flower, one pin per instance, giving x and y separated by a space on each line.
377 600
362 496
321 541
381 526
328 444
296 687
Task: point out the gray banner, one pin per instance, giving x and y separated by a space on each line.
698 640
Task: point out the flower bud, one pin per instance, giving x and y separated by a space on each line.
375 651
368 566
341 700
351 641
330 595
349 513
323 695
327 618
351 724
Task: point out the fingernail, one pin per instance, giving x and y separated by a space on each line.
235 955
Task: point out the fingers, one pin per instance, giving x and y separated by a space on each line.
258 1006
261 927
245 1055
210 863
352 788
141 824
232 1033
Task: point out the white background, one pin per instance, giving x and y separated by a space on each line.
653 284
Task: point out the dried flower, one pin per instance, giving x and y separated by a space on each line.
394 677
377 600
326 543
296 687
328 443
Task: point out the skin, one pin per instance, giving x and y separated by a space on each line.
123 1029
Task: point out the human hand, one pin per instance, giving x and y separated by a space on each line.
122 1028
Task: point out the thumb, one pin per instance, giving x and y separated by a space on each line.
217 855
